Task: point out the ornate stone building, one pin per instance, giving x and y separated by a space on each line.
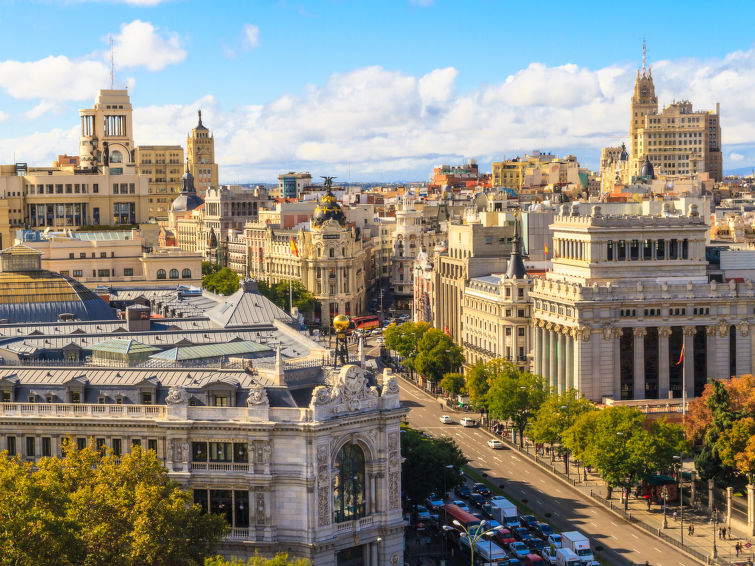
200 151
625 293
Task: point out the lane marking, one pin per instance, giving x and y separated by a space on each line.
657 549
635 536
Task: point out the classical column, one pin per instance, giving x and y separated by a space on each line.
639 362
374 554
711 495
561 361
616 343
729 493
744 359
569 377
538 350
553 377
663 361
710 348
689 359
750 507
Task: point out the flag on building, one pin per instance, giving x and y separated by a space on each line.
681 356
294 249
546 249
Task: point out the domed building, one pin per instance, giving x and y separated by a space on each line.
29 293
188 200
328 210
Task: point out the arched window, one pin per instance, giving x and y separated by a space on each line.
161 274
349 501
174 274
116 157
186 273
332 252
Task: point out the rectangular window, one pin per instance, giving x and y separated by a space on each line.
221 452
46 446
75 396
96 188
152 444
81 443
30 447
78 273
198 451
100 443
200 498
220 400
520 331
116 446
240 453
128 272
11 445
103 273
136 442
146 397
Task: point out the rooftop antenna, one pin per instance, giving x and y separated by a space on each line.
112 65
644 50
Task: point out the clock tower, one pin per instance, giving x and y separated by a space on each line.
644 102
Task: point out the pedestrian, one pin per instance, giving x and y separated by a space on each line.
737 548
719 533
674 515
441 406
648 504
723 533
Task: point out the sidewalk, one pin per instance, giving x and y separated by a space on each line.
699 545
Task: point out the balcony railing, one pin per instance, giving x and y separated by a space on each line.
218 467
357 525
238 534
82 410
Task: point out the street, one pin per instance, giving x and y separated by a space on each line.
525 481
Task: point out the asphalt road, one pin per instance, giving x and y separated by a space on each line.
570 510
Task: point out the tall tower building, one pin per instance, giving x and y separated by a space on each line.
106 132
200 150
644 102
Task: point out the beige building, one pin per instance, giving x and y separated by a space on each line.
537 170
200 151
292 184
107 258
162 165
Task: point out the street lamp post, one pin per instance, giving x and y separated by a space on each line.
715 523
473 539
681 497
664 495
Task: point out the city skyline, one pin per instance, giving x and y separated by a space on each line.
420 83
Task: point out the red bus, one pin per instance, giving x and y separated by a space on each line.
455 513
366 322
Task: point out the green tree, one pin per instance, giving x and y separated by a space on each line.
404 339
426 458
557 413
478 381
453 384
95 509
515 395
437 355
209 268
224 282
736 447
618 443
280 295
280 559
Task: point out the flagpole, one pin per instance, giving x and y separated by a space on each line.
684 391
290 298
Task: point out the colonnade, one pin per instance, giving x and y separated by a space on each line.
554 356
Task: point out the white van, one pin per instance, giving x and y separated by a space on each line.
467 421
567 557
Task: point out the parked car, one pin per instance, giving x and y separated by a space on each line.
536 544
504 537
481 488
423 514
549 555
461 505
434 501
462 491
544 530
521 533
446 419
487 509
495 444
528 521
467 421
555 540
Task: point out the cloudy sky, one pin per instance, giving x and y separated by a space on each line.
369 90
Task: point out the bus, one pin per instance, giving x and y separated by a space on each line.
485 552
365 322
455 513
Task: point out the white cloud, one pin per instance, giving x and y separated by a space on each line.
251 35
139 45
54 77
43 107
384 124
3 116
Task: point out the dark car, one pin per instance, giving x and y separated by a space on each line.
521 533
487 510
481 488
544 530
536 544
462 491
528 521
477 499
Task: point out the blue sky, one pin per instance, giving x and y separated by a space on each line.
375 90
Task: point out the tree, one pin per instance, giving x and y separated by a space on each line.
95 509
426 458
279 294
478 381
404 339
437 355
224 282
515 395
209 268
280 559
736 447
452 383
617 442
557 413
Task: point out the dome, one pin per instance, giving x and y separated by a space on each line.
188 200
29 293
647 169
328 209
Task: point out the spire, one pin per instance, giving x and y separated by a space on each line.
515 269
644 51
199 125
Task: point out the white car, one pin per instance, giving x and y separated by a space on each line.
446 419
468 421
495 444
555 540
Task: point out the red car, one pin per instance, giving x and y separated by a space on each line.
504 537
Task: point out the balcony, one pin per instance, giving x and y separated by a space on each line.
217 467
82 410
358 525
238 534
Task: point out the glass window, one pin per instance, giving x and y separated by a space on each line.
116 446
240 452
46 446
200 498
30 447
11 445
186 273
81 443
221 503
221 452
349 488
161 274
152 444
198 451
174 274
128 271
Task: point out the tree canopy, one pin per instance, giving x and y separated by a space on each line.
453 383
437 355
425 466
557 413
622 445
279 559
404 339
279 294
224 281
95 509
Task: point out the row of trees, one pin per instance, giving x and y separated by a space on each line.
280 294
620 442
428 351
